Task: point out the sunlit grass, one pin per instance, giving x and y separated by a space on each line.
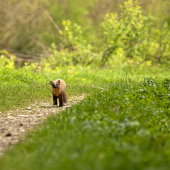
21 87
122 125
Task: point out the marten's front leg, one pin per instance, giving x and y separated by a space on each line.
54 100
60 101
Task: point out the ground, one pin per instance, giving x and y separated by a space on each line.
15 124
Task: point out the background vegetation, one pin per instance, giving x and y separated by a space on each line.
30 27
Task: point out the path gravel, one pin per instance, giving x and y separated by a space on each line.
16 123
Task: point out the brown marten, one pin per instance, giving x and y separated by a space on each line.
59 91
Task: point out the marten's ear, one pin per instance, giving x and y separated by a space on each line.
58 82
51 82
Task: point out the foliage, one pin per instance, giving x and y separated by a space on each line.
131 37
35 29
159 50
18 32
127 122
74 49
7 60
127 32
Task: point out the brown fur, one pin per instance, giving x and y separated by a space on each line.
59 91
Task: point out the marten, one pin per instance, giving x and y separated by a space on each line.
59 91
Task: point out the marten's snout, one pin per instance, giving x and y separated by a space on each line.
55 85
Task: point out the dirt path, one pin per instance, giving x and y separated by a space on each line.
15 124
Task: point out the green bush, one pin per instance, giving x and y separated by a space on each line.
129 38
131 35
159 46
35 29
7 60
128 31
74 49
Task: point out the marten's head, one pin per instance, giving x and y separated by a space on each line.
55 84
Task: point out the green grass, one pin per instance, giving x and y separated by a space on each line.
125 125
19 88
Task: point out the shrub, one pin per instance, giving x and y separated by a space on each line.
128 32
132 34
7 60
129 39
73 50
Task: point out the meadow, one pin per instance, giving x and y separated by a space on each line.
123 123
19 87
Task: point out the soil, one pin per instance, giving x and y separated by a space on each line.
15 124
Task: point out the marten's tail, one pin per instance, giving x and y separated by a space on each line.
64 97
